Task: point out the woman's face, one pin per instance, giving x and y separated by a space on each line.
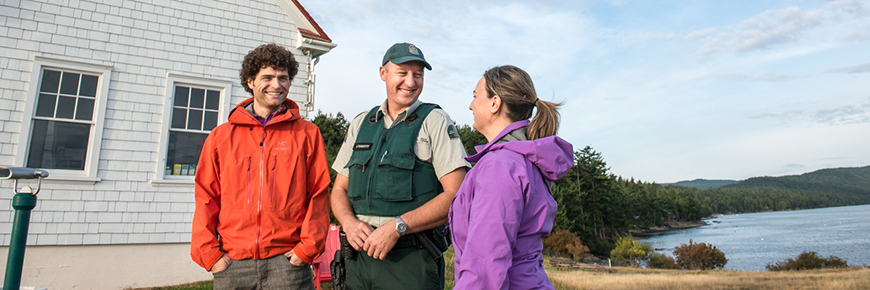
480 107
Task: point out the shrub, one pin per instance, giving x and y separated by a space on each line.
661 261
630 252
700 256
807 261
565 244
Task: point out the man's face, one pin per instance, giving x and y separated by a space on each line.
404 83
270 88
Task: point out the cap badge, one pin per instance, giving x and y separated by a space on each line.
413 49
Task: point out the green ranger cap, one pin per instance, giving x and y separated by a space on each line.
404 52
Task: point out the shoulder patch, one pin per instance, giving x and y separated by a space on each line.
451 131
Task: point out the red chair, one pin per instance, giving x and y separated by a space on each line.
321 264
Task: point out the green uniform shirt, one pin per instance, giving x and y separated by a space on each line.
437 143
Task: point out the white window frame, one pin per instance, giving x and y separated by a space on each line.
174 79
95 138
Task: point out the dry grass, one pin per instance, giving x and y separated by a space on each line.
634 278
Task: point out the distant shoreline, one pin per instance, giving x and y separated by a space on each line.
667 227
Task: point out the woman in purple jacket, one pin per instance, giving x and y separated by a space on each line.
504 208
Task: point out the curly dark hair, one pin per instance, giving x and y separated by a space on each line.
267 55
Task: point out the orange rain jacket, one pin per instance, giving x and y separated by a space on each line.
261 190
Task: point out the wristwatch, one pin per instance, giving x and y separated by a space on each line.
401 226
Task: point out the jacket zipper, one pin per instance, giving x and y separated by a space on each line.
260 195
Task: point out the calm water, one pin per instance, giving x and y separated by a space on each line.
751 241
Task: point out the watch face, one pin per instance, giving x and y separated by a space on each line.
401 227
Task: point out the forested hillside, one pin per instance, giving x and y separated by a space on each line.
599 207
822 188
704 183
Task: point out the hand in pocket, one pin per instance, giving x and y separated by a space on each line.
294 260
221 264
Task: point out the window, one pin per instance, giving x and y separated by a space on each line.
194 114
194 106
64 116
63 124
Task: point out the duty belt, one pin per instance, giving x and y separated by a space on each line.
435 241
406 241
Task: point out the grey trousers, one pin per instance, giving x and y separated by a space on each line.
272 273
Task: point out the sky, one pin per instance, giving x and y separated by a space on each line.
666 91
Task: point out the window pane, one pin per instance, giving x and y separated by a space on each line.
184 149
65 107
58 145
89 86
210 121
179 118
85 109
45 105
194 120
197 97
50 81
212 102
181 96
69 84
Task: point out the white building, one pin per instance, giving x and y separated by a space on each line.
114 98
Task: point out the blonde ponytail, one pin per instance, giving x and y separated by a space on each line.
546 120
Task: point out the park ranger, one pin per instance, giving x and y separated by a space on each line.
398 171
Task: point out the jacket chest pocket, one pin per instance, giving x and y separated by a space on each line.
358 178
395 178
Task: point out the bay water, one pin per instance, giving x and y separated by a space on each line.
751 241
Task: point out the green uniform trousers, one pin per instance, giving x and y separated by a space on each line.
404 268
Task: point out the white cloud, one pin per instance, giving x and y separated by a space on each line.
766 77
833 115
838 21
759 32
855 69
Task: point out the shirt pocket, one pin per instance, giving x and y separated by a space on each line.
395 178
358 179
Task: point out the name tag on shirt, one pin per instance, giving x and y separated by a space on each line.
362 146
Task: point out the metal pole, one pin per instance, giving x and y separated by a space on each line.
23 203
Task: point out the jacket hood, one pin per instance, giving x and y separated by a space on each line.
239 115
552 155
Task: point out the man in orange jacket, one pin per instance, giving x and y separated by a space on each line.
262 208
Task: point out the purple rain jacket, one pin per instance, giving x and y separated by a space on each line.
503 210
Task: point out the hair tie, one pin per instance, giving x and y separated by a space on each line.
536 102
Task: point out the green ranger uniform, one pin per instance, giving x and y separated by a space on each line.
394 164
390 171
387 179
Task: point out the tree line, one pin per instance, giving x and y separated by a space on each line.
822 188
600 207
